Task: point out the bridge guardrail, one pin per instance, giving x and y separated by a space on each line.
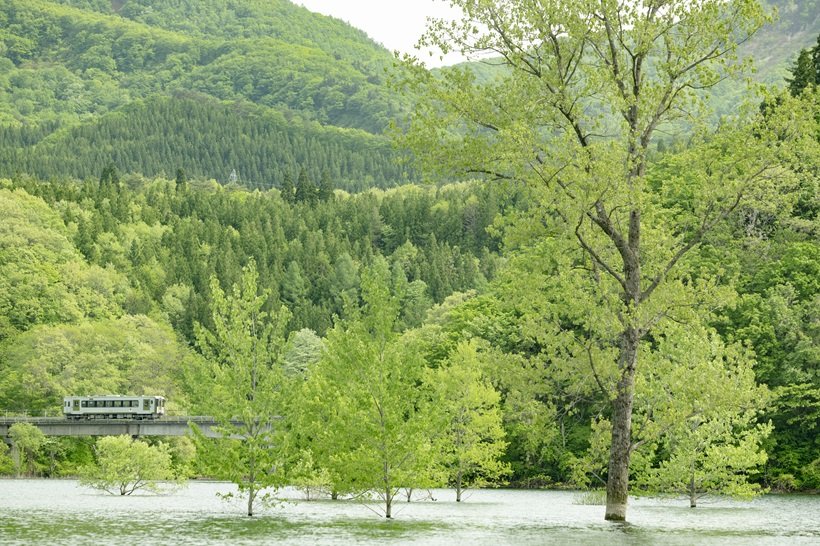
8 419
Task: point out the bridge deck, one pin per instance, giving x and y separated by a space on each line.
165 426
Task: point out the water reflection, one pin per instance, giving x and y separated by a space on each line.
53 512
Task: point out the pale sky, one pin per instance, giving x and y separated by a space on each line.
396 24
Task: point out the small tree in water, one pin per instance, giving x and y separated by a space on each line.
125 465
470 441
242 386
361 410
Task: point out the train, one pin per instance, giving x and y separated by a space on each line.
113 406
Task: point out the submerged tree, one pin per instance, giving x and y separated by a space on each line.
362 408
125 465
705 432
584 88
242 385
470 442
692 437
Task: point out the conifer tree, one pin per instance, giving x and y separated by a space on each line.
325 191
181 180
287 190
305 188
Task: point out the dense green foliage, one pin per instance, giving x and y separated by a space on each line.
805 72
207 139
150 47
243 385
94 275
585 91
125 465
175 174
78 72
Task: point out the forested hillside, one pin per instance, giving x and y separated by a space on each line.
84 83
120 251
207 139
84 70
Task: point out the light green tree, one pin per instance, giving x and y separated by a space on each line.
470 442
710 457
26 441
692 438
125 465
706 433
311 479
243 384
304 349
361 412
574 113
183 455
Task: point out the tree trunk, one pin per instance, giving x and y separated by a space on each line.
617 487
388 504
250 500
251 481
458 486
693 498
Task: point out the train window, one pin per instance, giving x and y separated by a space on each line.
117 403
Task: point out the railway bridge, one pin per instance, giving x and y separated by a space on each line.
164 426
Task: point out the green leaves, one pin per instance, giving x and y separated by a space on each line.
27 440
467 414
125 465
131 355
361 415
242 384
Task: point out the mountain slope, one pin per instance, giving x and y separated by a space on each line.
207 139
70 69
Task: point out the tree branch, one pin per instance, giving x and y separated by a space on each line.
614 274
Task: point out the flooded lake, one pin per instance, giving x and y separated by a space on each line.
51 512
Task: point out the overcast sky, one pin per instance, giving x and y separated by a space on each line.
397 24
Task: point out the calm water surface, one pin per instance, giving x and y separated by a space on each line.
52 512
